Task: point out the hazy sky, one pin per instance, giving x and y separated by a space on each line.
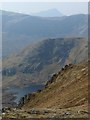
65 8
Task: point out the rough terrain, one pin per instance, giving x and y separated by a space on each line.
64 96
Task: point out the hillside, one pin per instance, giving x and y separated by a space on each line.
37 63
20 30
65 96
68 88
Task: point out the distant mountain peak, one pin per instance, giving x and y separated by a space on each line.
49 13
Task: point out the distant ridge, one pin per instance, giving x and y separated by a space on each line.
20 30
49 13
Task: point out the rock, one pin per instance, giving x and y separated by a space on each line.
66 66
9 71
39 91
62 69
21 102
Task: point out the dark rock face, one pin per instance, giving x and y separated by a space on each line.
26 69
9 71
25 99
55 75
51 80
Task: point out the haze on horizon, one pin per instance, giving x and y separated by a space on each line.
68 8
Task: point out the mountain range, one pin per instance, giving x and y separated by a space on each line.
38 62
35 48
20 30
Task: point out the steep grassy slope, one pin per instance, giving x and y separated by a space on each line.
68 88
64 96
37 63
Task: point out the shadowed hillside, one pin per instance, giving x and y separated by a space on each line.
37 63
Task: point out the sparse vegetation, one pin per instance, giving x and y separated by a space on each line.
65 97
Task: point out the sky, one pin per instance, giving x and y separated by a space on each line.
66 8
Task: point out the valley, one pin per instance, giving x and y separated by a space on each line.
44 65
37 63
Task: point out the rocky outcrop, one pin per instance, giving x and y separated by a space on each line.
25 99
9 71
55 75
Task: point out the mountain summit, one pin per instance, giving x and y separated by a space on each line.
49 13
